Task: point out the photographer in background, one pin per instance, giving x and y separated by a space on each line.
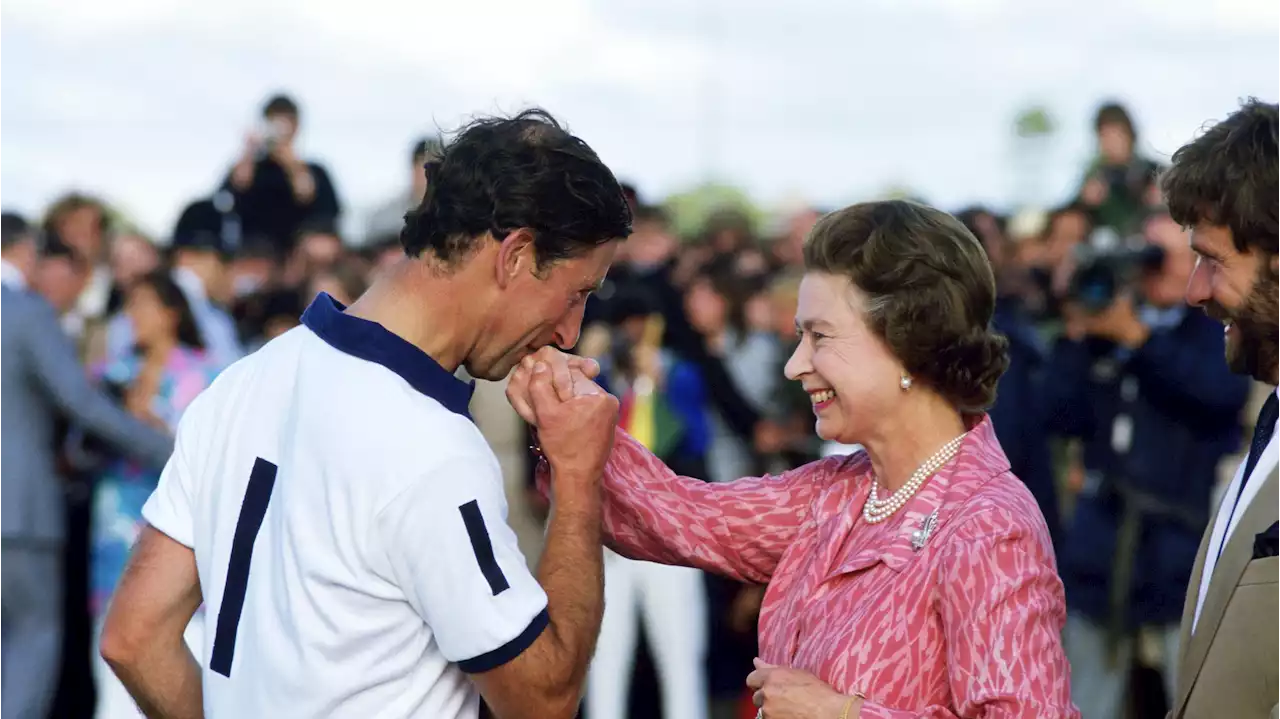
1138 379
275 191
1119 183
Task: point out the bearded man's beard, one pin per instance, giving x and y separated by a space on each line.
1258 327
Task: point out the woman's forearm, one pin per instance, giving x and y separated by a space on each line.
735 529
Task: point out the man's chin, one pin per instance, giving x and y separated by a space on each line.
1249 354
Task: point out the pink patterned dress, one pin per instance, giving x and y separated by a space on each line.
967 625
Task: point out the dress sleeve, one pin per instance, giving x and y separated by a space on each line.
736 529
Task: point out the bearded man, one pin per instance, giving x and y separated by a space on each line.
1223 186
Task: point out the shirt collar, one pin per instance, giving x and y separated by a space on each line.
11 276
372 342
1162 319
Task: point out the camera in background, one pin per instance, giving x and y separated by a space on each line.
1107 265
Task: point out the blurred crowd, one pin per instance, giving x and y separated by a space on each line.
1117 410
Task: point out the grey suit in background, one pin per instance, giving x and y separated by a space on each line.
41 379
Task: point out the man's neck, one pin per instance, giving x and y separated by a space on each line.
434 312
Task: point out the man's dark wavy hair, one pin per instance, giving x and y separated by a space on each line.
1228 176
502 174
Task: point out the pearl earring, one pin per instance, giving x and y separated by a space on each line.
905 384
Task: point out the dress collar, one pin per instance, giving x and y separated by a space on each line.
978 459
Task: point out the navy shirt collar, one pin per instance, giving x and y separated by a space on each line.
372 342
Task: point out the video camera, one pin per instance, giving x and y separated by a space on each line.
1105 266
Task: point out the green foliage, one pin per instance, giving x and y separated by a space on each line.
1034 121
690 209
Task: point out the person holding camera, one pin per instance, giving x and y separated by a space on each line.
275 191
1119 184
1136 377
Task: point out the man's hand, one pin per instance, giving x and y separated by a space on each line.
242 173
576 434
1095 191
284 154
566 384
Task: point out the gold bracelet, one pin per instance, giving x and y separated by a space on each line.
844 713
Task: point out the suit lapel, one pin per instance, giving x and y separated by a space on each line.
1193 596
1226 576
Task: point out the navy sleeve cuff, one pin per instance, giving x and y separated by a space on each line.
510 650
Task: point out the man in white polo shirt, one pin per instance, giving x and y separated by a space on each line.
337 512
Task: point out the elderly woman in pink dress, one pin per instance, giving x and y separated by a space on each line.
914 577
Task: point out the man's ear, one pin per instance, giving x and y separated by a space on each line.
516 255
1275 264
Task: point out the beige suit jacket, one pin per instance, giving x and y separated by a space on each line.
1228 666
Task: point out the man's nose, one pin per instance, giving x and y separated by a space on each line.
1199 288
569 330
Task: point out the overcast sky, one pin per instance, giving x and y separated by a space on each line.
146 101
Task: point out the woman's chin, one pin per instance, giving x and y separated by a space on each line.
833 430
827 430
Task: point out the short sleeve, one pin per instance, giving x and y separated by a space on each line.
454 556
169 508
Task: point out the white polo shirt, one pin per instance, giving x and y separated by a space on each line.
349 526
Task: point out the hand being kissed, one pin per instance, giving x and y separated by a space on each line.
574 417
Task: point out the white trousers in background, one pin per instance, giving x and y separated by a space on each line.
1099 688
672 602
114 701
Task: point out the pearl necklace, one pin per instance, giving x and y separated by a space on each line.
877 510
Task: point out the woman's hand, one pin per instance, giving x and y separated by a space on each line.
793 694
570 374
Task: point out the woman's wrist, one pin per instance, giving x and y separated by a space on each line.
851 706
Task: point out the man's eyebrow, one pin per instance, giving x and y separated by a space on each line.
595 286
1200 249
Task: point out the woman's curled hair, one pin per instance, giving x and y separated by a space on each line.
930 292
